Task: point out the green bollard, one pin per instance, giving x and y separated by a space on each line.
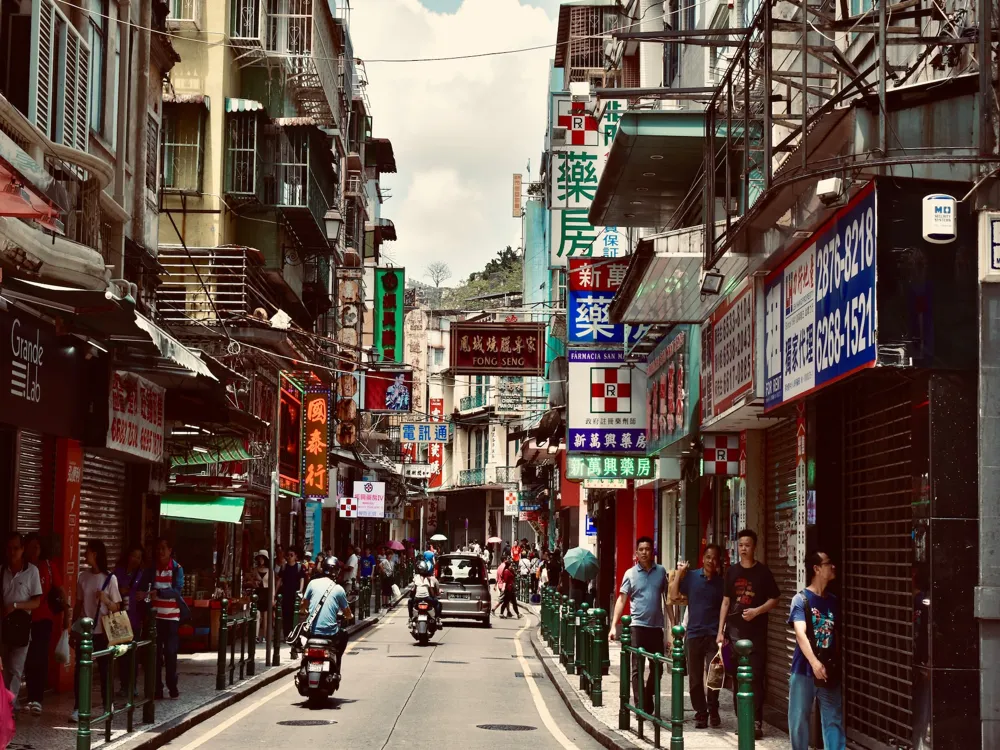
276 656
220 667
626 674
600 647
582 633
254 625
84 681
744 696
677 691
298 606
149 671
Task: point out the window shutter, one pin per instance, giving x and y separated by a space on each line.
40 105
77 78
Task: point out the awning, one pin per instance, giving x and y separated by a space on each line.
663 281
243 105
211 508
202 100
219 451
173 349
385 159
654 160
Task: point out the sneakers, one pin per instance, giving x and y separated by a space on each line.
714 719
35 708
758 730
700 721
75 716
174 695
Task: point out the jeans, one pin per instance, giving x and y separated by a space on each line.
758 662
287 614
509 598
13 666
36 665
802 693
100 643
650 639
167 644
700 651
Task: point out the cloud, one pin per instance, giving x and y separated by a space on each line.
459 129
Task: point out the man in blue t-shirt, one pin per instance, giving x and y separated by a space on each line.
324 622
704 589
367 563
815 673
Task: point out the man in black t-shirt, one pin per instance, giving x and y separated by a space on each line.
750 593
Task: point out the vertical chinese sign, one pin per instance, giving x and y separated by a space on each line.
593 283
577 164
315 458
289 437
388 320
435 451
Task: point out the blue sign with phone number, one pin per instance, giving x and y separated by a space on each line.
820 306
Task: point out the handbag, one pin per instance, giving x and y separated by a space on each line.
716 672
828 657
117 628
17 624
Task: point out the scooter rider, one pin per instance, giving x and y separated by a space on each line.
425 586
326 623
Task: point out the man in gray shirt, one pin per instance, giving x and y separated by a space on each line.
644 586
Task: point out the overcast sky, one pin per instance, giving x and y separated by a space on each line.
459 129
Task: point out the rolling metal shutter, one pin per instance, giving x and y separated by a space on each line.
878 598
31 461
102 504
779 506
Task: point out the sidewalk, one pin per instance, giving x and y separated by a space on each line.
198 702
602 723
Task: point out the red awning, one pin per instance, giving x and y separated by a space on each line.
19 201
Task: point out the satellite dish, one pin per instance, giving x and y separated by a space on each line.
558 378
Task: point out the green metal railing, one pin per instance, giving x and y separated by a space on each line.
364 602
279 635
471 477
474 401
656 663
571 617
85 682
591 646
242 628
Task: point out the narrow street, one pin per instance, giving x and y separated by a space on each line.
396 694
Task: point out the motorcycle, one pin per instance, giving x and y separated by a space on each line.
318 677
423 623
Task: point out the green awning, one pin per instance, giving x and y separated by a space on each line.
219 451
212 508
242 105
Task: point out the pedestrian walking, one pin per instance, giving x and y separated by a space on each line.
535 571
50 613
166 586
96 595
291 582
643 586
750 592
386 569
130 577
263 587
704 590
500 584
509 593
816 673
20 595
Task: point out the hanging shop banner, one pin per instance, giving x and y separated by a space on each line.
580 147
388 390
721 455
436 409
607 408
289 437
673 386
435 454
370 497
347 397
388 314
510 500
348 507
135 418
416 471
592 284
819 307
497 348
609 467
409 452
424 432
510 396
315 457
728 353
800 494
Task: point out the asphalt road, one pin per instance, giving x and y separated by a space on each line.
396 694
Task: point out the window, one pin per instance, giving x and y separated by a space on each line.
183 131
152 152
464 569
861 6
480 441
97 36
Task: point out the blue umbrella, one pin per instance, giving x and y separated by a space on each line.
581 564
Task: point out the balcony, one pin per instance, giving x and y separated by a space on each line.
471 477
301 35
228 288
245 123
185 15
488 476
475 401
300 180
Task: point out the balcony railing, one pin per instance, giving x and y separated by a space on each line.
247 25
185 15
471 477
244 155
475 401
508 474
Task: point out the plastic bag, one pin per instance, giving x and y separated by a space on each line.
6 714
62 653
396 593
716 677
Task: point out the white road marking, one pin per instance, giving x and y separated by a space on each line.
536 695
220 728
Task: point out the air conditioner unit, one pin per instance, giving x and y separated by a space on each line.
579 91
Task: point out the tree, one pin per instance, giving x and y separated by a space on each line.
438 272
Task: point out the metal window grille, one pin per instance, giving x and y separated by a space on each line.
878 595
233 284
183 132
289 174
242 157
779 510
247 21
184 10
289 27
152 152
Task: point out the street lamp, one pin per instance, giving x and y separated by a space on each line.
333 220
